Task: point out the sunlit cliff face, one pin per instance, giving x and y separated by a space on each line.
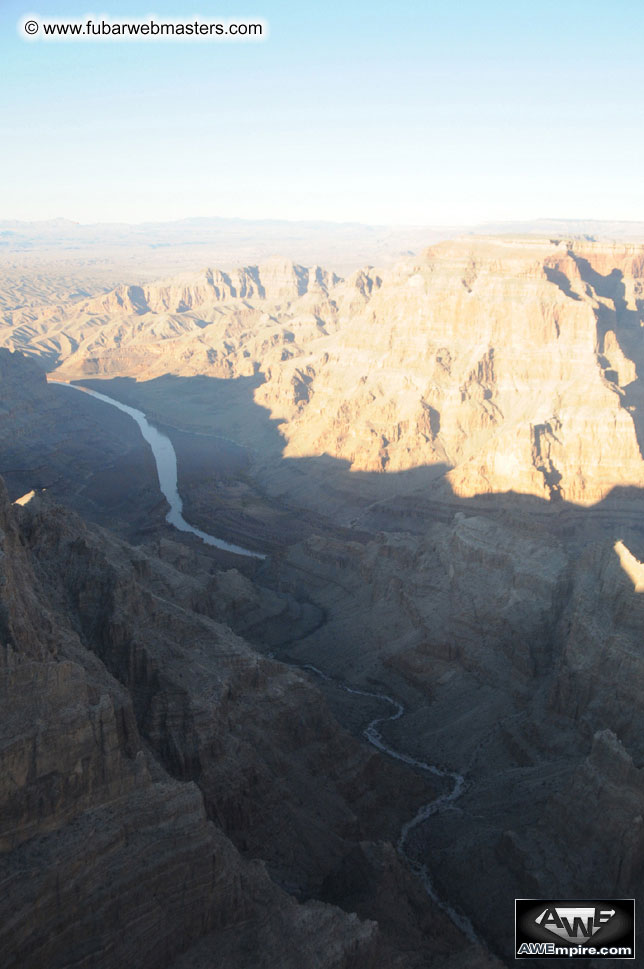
487 358
509 626
504 365
631 565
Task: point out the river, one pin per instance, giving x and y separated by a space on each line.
443 802
166 462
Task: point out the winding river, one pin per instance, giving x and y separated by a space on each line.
457 781
166 462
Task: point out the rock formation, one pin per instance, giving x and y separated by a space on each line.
443 462
168 796
487 361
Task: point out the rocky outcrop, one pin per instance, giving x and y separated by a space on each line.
87 814
506 365
599 645
514 639
166 792
463 432
602 805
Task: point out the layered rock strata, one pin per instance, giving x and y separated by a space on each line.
167 793
496 365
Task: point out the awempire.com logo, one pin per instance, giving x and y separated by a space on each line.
597 929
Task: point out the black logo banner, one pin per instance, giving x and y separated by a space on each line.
583 929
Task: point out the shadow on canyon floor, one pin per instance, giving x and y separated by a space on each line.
479 705
501 706
197 411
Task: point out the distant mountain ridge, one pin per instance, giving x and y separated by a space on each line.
16 235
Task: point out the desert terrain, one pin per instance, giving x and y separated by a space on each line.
440 457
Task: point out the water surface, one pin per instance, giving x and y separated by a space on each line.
166 462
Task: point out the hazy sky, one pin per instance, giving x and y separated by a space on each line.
415 111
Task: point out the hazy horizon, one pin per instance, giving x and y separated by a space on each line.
63 220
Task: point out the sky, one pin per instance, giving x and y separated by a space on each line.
422 112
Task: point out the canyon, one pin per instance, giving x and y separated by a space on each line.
438 465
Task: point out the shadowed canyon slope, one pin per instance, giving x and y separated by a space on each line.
442 461
502 365
166 792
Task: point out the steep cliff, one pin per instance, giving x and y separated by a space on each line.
167 794
444 461
500 364
515 643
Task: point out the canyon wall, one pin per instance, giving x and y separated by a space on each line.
444 461
168 794
496 365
